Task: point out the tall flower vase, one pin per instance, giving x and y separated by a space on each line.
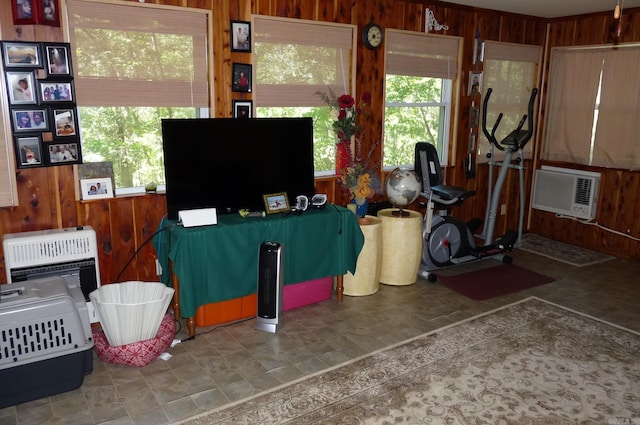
343 155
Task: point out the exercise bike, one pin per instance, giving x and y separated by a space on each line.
447 240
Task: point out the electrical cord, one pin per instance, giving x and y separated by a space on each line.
340 216
190 338
117 279
596 224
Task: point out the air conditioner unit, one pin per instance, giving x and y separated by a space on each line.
566 191
70 253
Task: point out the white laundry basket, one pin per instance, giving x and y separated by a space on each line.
131 311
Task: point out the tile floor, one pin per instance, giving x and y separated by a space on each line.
228 363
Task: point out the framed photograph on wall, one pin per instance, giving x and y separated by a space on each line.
240 36
64 122
64 153
242 109
28 151
25 12
276 203
96 188
20 85
48 12
19 54
29 120
56 91
241 78
475 83
474 116
57 60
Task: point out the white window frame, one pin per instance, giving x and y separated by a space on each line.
427 55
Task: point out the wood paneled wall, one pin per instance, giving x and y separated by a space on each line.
47 195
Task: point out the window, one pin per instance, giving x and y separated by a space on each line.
134 65
294 60
511 71
593 107
420 72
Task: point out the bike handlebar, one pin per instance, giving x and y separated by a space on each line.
517 139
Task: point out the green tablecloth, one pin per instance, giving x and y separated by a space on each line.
220 262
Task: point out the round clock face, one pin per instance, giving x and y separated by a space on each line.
372 36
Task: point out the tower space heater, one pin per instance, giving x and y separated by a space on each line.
70 253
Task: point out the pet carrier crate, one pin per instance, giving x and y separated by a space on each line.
45 339
71 253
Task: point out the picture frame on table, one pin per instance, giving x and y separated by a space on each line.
242 109
21 54
241 77
29 120
240 36
64 122
56 91
64 153
96 188
276 203
58 63
25 12
21 87
29 151
48 12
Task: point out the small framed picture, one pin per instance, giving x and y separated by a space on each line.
24 12
64 122
475 83
58 91
97 188
474 116
21 88
241 77
48 13
64 153
57 60
25 120
242 109
478 51
240 36
276 203
28 151
17 54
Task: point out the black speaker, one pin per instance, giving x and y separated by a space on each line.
270 283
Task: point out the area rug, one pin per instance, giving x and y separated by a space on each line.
531 362
493 282
569 254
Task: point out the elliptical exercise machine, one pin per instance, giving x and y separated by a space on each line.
447 240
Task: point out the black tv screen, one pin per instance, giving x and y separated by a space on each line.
230 163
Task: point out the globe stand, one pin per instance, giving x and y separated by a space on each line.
400 213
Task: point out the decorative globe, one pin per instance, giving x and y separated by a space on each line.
403 188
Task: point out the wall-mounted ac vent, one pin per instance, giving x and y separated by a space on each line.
566 191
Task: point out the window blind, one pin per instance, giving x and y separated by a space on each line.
296 58
593 106
131 54
421 55
511 71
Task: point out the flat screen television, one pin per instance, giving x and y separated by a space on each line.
230 163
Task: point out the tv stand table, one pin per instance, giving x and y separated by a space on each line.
220 262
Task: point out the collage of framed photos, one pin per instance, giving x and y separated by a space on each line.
42 105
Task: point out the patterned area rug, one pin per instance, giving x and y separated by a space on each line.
529 362
570 254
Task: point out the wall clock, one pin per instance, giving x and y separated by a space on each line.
372 36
